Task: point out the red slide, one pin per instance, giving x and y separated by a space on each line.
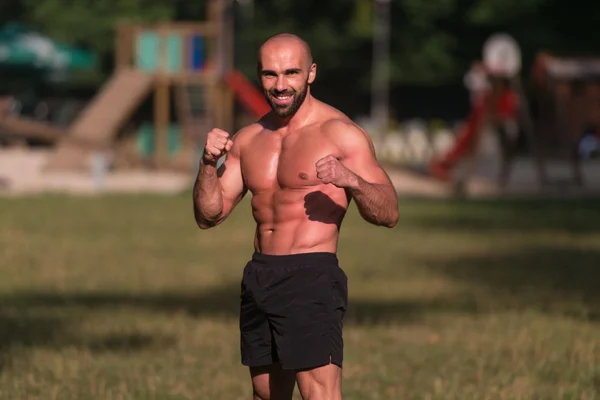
505 107
248 94
440 167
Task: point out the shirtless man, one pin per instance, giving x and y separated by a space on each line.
303 162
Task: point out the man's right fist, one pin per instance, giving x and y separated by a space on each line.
217 144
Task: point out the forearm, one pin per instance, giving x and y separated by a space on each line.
208 196
377 203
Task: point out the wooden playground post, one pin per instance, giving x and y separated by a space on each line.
162 102
221 12
123 45
228 36
161 120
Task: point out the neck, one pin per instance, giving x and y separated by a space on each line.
300 118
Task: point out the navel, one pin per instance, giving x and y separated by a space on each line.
303 175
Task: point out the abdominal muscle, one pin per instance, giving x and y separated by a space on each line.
293 221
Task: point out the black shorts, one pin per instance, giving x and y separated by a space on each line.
292 307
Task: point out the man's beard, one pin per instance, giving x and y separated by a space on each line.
284 111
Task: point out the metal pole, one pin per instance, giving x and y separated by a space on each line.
381 66
226 36
246 44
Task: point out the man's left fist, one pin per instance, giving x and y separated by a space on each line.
331 170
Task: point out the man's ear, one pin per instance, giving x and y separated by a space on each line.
312 73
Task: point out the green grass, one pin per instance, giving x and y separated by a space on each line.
124 298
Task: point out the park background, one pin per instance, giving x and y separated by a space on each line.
109 290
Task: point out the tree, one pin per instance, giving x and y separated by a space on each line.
92 24
432 42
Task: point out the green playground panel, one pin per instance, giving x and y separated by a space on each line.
174 52
147 51
146 140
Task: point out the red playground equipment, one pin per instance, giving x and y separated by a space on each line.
497 103
566 93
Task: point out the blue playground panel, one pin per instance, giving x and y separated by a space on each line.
198 59
147 52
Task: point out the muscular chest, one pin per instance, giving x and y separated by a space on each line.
274 162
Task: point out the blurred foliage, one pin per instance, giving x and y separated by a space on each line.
432 43
491 12
92 23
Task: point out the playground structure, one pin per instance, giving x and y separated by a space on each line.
496 101
567 105
188 65
566 94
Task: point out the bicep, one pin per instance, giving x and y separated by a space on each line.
232 182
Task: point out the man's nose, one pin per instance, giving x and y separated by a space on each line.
281 84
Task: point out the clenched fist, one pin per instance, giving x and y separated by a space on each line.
217 144
331 170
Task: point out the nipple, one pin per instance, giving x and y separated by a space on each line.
303 175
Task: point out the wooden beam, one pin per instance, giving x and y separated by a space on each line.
198 77
123 45
22 127
162 104
207 29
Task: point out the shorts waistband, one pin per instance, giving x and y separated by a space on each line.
297 259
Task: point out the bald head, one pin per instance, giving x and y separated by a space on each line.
286 71
288 43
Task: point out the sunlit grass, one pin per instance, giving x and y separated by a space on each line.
123 297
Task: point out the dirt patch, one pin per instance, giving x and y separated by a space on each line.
23 172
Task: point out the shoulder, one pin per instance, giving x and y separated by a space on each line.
245 135
247 132
339 126
348 136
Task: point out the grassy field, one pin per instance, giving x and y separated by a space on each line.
124 298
